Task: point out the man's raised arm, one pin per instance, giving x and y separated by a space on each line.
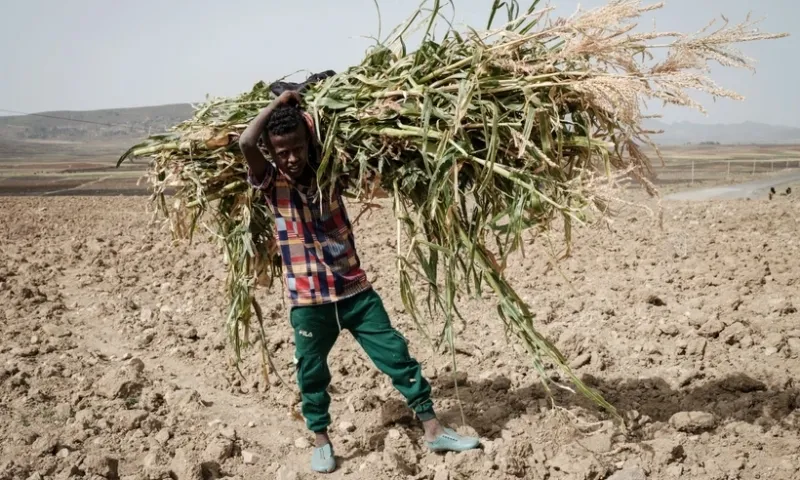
248 142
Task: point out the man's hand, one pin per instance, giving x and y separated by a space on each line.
291 98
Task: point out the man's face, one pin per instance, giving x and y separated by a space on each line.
290 152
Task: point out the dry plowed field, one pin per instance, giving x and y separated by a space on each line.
114 362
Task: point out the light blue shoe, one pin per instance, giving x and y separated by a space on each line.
322 460
450 441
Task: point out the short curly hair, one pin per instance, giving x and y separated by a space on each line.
284 119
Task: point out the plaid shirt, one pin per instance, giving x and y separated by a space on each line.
315 238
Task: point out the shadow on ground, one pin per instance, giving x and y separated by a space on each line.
736 397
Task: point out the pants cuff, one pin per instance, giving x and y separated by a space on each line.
426 414
318 425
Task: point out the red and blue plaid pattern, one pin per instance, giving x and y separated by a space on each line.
315 237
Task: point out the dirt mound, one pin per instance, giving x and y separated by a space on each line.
113 362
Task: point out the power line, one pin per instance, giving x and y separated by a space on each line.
66 119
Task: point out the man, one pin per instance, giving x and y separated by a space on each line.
328 289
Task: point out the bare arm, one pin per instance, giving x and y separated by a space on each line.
248 141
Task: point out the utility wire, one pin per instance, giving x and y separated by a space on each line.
44 115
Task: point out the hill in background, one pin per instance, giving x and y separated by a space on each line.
94 125
746 133
136 123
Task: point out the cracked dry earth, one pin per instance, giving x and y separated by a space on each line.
114 363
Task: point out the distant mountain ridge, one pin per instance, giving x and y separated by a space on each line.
745 133
118 123
125 123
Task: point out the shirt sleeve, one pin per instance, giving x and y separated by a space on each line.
262 183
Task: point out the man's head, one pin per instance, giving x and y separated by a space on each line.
289 140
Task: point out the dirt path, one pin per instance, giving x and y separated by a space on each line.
756 189
79 187
114 364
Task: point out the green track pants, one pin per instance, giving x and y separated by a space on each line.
316 329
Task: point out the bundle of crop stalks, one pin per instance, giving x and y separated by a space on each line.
477 136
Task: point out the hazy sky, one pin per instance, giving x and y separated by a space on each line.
91 54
